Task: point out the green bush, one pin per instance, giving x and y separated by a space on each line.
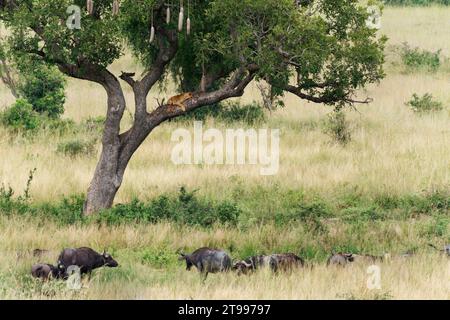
201 114
424 104
249 114
229 112
74 148
43 87
21 116
418 59
186 208
338 128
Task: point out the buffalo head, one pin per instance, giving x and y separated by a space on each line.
108 260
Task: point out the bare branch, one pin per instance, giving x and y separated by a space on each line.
128 78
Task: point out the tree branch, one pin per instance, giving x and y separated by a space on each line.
233 88
326 100
165 55
128 78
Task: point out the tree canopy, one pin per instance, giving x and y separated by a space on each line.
325 45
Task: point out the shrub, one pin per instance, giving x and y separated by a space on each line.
416 58
424 104
201 114
74 148
21 116
43 87
186 208
338 128
69 210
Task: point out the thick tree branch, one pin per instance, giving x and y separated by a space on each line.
233 88
128 78
168 46
327 100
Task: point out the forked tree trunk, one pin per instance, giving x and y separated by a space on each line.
109 171
105 183
117 150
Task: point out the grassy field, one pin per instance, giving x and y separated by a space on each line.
394 154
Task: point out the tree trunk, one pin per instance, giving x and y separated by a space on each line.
117 151
106 181
109 172
111 168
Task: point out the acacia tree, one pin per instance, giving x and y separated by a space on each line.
319 50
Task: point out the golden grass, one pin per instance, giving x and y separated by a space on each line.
420 277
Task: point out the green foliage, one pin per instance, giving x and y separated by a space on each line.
76 147
279 207
98 41
67 211
424 104
187 208
21 116
249 114
303 211
343 52
232 112
338 128
418 59
330 50
438 227
43 87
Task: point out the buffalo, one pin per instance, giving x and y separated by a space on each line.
86 259
253 263
276 262
46 271
207 260
340 259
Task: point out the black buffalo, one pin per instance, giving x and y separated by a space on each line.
46 271
340 259
276 262
207 260
86 259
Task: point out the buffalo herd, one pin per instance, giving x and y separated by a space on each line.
86 259
205 260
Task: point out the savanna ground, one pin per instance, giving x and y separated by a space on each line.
388 190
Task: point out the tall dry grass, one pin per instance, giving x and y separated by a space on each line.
421 277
